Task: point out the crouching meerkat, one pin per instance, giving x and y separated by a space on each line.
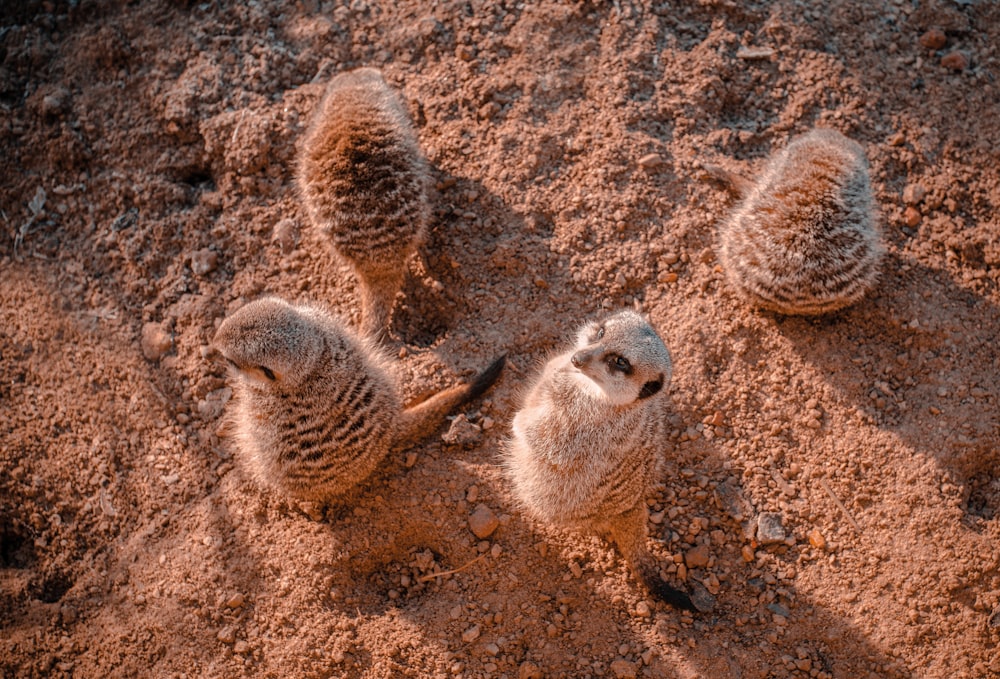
588 439
316 407
363 180
806 237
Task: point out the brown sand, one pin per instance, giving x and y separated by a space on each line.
147 190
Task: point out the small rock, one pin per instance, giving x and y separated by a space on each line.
226 635
482 522
529 670
702 598
462 432
286 235
465 52
471 634
241 647
236 600
642 609
731 499
911 216
55 102
650 161
488 110
816 539
67 614
204 262
994 619
156 341
697 557
769 528
491 649
623 669
914 193
933 39
778 609
956 61
753 53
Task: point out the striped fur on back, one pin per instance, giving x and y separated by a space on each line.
316 408
806 238
363 180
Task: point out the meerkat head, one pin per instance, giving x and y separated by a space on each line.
622 358
270 342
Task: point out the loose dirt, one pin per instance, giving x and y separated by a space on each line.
147 154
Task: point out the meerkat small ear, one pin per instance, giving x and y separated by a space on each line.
651 387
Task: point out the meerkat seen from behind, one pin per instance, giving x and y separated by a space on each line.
588 439
363 180
806 238
316 407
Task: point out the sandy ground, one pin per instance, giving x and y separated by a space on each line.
147 153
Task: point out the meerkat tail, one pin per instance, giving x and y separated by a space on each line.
420 421
628 532
733 182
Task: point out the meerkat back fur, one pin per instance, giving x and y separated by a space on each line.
316 407
363 180
586 444
806 237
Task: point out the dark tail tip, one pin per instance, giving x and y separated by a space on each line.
487 378
667 594
670 595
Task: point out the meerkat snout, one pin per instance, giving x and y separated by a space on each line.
620 360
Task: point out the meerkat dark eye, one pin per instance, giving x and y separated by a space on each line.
267 372
651 387
619 363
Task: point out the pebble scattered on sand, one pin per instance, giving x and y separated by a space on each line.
462 432
482 522
933 39
956 61
769 528
623 669
156 341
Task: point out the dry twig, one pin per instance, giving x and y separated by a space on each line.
431 576
836 500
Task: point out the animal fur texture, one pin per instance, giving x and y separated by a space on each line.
316 406
806 237
587 442
363 180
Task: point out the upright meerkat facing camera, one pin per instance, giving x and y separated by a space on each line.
587 441
363 180
316 408
805 239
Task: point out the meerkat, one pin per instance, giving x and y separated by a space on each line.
363 180
805 238
316 407
586 443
